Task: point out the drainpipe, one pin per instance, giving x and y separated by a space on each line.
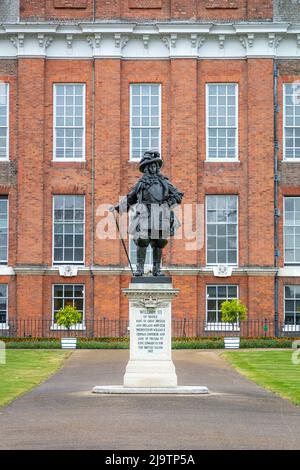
276 209
92 256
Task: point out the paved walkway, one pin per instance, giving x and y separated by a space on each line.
63 414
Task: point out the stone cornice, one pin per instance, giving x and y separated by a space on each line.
149 40
171 270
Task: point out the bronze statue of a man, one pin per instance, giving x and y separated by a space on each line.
153 221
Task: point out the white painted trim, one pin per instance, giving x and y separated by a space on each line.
183 27
289 271
261 27
219 160
78 326
6 270
287 264
288 327
291 328
8 129
124 270
8 220
4 263
216 326
29 27
60 263
63 160
3 326
284 158
136 160
283 125
219 326
68 160
166 39
6 158
222 160
234 265
107 27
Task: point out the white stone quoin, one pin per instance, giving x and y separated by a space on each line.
150 313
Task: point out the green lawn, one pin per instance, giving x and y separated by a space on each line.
26 369
273 370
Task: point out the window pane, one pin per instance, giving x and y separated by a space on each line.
3 229
68 229
291 124
68 294
215 296
4 118
222 222
144 119
69 119
292 305
221 120
292 230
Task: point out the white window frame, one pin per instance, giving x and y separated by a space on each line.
287 159
75 159
220 326
227 159
6 158
237 232
288 327
56 264
77 326
6 263
5 326
288 263
131 158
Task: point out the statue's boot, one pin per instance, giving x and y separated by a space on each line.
157 253
141 255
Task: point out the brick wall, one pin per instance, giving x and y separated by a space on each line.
183 149
224 10
260 162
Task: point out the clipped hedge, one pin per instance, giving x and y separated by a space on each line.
33 345
123 343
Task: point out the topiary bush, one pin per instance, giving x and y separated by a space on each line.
233 311
68 316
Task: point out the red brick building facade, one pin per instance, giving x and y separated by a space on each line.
217 77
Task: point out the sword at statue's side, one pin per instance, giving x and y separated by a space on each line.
113 209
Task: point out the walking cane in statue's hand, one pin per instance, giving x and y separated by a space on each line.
113 209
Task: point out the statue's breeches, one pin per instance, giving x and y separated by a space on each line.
155 221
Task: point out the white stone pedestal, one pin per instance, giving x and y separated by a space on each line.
150 311
150 369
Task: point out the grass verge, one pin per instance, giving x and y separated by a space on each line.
273 370
26 369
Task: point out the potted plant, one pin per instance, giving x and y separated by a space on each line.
67 317
233 311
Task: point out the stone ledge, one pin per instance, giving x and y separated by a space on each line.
180 390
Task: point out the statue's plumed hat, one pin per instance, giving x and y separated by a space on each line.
150 156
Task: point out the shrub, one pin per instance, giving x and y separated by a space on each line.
233 311
68 316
